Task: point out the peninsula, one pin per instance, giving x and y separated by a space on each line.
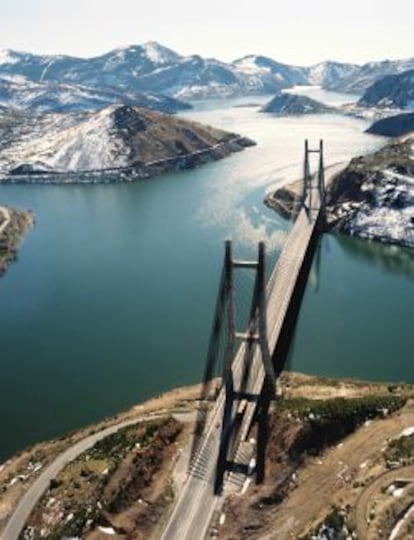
117 143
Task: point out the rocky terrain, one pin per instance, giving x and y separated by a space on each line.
13 226
119 487
393 126
333 465
393 91
291 104
331 441
373 197
123 141
151 67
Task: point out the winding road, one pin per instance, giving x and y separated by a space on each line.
40 485
365 500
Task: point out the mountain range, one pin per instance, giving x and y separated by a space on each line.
128 74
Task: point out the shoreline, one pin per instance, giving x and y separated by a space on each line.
134 172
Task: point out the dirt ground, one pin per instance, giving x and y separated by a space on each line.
336 477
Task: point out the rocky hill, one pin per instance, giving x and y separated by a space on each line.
391 91
291 104
394 126
373 197
119 139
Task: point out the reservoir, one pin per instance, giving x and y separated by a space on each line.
112 298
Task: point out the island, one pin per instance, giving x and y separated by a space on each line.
285 104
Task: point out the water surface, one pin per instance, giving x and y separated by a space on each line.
112 298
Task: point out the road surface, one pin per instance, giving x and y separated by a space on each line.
40 485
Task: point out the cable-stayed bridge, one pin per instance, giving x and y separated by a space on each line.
240 381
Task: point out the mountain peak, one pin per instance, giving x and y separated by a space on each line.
8 56
160 54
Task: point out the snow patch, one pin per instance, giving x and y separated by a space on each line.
8 57
87 145
159 54
406 432
248 65
107 530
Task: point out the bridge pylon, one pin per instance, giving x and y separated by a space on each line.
312 196
238 382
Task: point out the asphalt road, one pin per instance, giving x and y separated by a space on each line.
40 485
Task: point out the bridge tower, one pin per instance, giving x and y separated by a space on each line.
237 383
313 185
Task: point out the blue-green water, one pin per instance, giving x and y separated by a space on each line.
112 297
355 319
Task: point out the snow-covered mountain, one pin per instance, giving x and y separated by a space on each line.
20 93
271 73
152 67
328 73
117 136
393 91
364 76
